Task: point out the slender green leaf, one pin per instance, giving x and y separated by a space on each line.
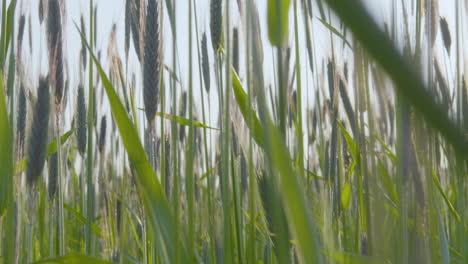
446 199
335 31
182 120
346 196
95 228
278 17
408 82
22 165
246 109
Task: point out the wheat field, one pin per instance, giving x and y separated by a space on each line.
222 131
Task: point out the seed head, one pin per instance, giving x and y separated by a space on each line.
151 61
102 135
205 64
21 118
235 49
444 28
216 23
54 30
53 175
39 130
81 120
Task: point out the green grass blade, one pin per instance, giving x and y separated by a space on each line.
446 199
335 31
246 109
4 148
22 165
182 120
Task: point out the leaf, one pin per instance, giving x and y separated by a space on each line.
389 152
150 189
346 196
408 82
388 183
350 141
316 176
9 20
293 195
246 109
278 17
446 199
335 31
22 165
73 259
95 228
182 120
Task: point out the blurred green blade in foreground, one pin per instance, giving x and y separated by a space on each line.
408 82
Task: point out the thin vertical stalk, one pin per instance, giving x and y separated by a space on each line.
89 163
189 154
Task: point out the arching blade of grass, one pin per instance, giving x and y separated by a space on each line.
335 31
95 228
246 109
182 120
407 81
73 259
150 189
278 18
446 199
290 187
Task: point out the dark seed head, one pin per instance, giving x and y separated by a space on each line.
135 26
205 64
39 130
81 120
22 23
331 79
182 113
53 174
41 11
235 49
83 47
444 28
21 121
102 135
128 21
54 30
216 23
151 61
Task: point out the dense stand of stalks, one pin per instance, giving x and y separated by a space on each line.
328 141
